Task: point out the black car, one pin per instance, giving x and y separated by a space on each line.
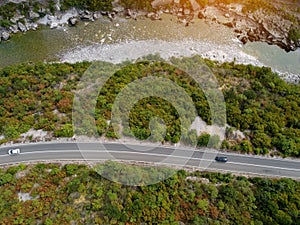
221 159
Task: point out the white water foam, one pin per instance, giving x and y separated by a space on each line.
131 50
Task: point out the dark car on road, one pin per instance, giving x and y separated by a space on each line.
221 159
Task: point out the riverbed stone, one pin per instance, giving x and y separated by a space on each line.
16 18
34 26
53 24
5 36
33 15
14 28
118 9
130 14
22 27
72 21
87 17
186 11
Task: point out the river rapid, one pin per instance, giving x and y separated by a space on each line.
130 39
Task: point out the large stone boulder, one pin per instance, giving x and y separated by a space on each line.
22 27
33 15
34 26
16 18
14 28
72 21
130 14
118 9
5 36
87 17
53 25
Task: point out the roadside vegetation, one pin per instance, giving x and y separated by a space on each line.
76 194
260 104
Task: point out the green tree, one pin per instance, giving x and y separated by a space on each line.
203 140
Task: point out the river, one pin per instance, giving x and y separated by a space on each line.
130 39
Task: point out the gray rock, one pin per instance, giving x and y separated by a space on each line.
14 28
34 26
150 14
16 18
111 16
130 14
186 12
87 12
33 15
27 24
59 16
118 9
5 36
72 21
22 27
153 16
53 25
50 17
96 15
80 12
87 17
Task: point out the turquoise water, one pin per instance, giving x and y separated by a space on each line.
46 44
275 57
33 46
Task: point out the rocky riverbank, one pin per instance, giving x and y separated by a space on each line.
257 26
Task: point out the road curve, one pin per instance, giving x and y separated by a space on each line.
198 159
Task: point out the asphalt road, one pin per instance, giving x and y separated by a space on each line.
164 155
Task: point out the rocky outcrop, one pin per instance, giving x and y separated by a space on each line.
252 27
257 26
19 23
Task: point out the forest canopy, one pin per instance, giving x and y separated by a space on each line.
258 103
71 193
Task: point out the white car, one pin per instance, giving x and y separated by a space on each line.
14 151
